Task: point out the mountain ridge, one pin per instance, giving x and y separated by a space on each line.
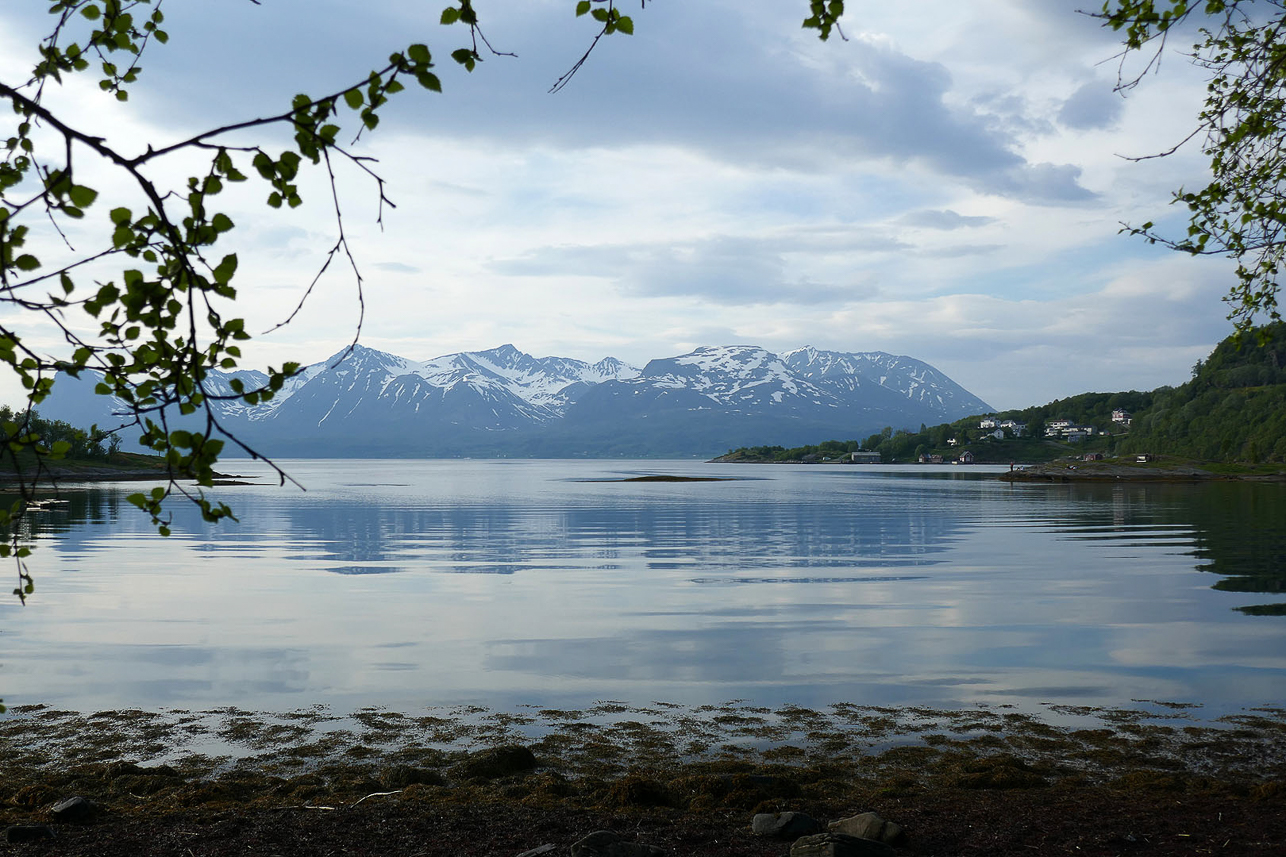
362 402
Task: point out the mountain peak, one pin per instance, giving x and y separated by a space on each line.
363 357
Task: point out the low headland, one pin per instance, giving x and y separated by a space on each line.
119 467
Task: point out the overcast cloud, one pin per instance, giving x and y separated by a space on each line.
945 184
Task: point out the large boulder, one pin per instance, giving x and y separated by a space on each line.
868 825
839 845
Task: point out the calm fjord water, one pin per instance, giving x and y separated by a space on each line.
411 583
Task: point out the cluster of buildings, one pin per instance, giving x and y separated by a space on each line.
1059 428
999 429
1070 431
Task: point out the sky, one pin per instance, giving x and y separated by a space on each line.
948 184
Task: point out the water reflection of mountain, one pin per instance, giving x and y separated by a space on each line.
504 539
753 538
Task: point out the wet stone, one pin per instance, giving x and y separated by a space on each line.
839 845
784 825
73 809
868 825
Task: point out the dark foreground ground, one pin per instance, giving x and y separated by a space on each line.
1054 821
959 783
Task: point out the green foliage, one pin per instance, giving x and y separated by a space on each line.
1241 212
824 16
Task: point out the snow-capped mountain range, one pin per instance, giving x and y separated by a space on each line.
504 402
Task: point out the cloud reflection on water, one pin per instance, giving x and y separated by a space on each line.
507 581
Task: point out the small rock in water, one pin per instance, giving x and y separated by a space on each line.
28 833
839 845
784 825
605 843
868 825
74 808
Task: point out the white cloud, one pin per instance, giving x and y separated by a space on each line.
947 184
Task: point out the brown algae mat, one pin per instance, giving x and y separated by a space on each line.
466 780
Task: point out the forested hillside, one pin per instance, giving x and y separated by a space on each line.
1233 409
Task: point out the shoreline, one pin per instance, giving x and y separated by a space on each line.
474 781
1065 470
1100 471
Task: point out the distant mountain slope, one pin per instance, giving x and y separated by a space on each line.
505 402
